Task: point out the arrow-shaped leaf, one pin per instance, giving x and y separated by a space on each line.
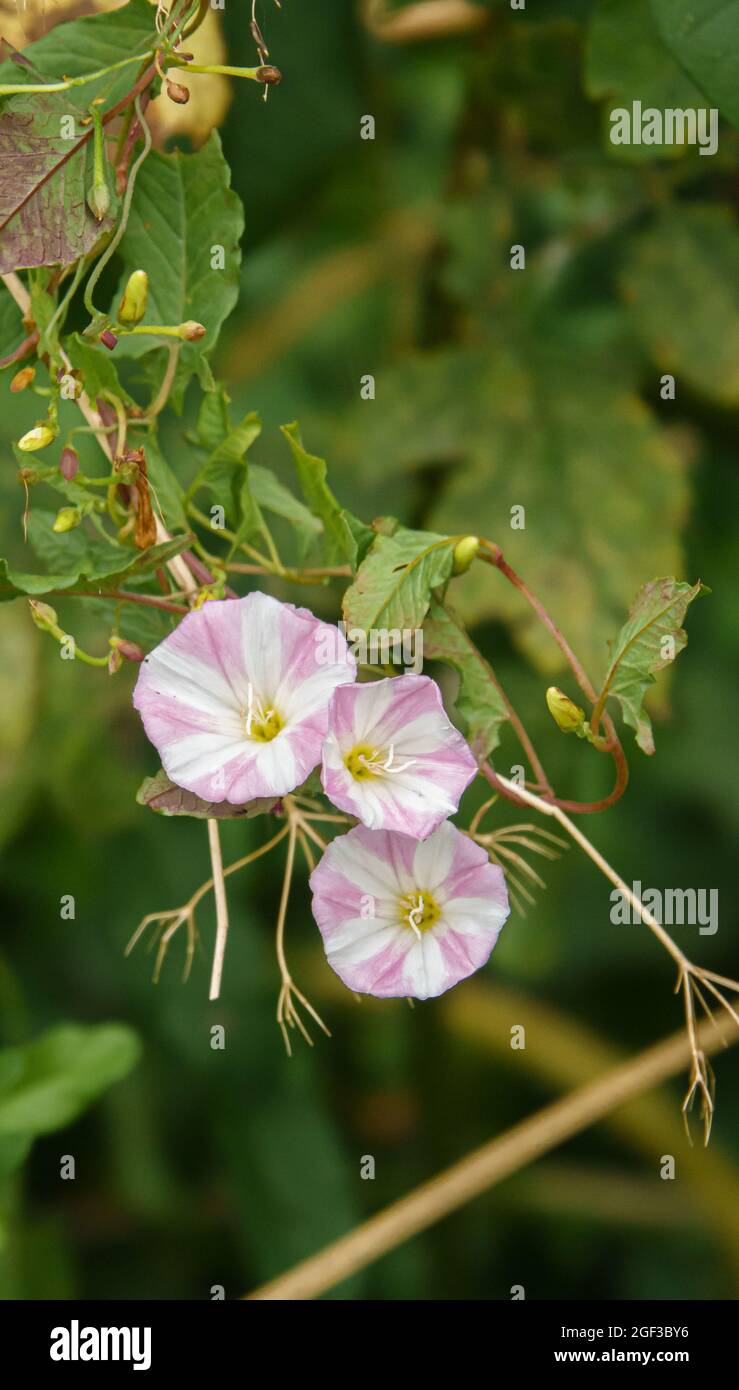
44 218
649 640
393 586
89 577
345 538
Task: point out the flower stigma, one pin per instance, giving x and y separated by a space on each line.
363 762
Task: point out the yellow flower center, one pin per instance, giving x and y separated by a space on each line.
419 911
260 724
359 762
364 762
264 730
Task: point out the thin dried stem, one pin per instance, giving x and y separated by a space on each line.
169 921
288 1015
219 886
701 1078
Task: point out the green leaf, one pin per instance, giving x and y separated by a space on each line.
97 367
183 210
47 1083
160 794
84 45
214 418
393 586
72 551
44 217
165 486
225 473
270 494
479 700
681 283
704 37
89 568
649 640
345 538
627 60
12 331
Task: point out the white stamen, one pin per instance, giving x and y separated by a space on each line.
373 763
415 916
249 709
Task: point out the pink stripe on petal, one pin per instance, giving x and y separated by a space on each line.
381 955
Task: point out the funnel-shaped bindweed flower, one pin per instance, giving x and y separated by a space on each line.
236 699
392 758
401 917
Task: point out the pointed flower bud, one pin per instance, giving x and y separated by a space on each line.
43 615
22 379
190 331
69 463
67 519
566 714
40 437
133 304
131 650
464 553
98 200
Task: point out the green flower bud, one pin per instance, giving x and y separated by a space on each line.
464 553
43 615
98 200
191 331
133 304
67 519
40 437
566 714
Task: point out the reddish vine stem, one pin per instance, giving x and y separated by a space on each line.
120 596
493 555
24 349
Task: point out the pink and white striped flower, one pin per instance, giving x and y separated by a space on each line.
401 917
236 699
392 758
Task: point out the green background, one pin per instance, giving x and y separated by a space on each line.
494 388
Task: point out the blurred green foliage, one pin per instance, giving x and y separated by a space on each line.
494 388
